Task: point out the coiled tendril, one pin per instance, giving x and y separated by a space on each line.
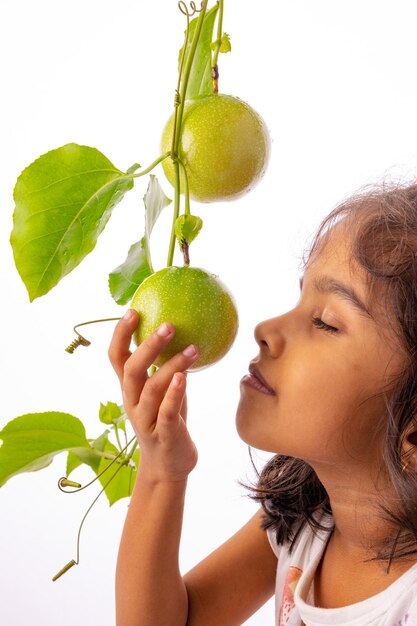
186 11
82 341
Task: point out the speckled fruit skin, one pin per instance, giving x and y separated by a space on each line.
198 304
224 146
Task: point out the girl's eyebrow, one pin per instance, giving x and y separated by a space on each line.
326 284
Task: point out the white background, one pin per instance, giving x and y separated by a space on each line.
335 82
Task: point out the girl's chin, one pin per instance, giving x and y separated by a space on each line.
248 428
242 425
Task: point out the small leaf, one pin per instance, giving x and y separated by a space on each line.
31 441
63 202
73 461
125 279
121 422
200 80
187 228
154 200
109 412
225 45
121 486
100 442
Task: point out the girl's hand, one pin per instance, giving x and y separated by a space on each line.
156 405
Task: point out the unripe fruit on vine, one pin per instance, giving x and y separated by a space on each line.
197 303
224 146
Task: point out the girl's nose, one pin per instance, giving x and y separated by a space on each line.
269 336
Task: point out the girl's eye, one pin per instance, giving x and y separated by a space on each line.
318 323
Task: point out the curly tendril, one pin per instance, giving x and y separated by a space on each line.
189 12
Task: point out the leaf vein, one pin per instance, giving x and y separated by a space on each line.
77 175
77 216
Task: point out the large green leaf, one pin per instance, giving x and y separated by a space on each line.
63 202
200 80
121 486
30 442
125 279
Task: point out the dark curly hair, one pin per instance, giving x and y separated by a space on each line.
382 219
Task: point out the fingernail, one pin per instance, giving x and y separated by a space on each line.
176 381
190 351
164 330
128 315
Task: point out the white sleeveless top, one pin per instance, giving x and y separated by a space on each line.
294 592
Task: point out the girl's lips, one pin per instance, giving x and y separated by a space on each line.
256 380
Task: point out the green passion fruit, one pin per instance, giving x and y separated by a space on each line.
224 147
197 303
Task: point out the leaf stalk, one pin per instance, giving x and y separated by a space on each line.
150 167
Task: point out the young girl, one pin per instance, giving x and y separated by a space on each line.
333 393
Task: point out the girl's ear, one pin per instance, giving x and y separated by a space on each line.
409 453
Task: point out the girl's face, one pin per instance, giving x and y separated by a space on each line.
327 363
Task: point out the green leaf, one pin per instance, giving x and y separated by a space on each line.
31 441
125 279
187 228
154 200
121 486
109 412
200 80
225 45
88 456
100 443
63 202
73 461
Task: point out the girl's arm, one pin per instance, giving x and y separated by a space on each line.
230 584
234 581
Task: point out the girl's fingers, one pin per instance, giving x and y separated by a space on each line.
156 387
142 394
119 349
184 406
171 404
135 370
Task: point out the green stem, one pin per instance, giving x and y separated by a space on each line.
186 189
104 455
177 192
131 453
187 210
183 79
177 187
116 432
218 41
150 167
177 92
187 72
